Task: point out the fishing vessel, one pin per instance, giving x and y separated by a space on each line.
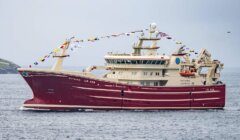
141 80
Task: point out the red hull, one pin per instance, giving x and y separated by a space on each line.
57 91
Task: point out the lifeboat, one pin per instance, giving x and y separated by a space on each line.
187 73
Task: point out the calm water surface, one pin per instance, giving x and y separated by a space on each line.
188 124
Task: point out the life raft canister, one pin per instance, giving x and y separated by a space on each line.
186 73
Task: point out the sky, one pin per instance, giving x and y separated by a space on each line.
30 29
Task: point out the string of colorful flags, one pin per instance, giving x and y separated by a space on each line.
75 43
190 51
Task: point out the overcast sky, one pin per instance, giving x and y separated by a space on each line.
29 29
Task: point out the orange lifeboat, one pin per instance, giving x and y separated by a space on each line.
186 73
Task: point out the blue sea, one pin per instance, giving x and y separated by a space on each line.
109 125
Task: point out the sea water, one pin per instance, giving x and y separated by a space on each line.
184 124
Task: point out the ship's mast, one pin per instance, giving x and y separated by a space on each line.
151 49
58 65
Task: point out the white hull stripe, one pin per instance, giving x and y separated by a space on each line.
202 99
107 107
206 91
154 100
146 100
152 92
98 89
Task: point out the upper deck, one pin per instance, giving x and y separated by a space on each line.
145 65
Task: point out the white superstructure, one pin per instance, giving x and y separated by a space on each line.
146 67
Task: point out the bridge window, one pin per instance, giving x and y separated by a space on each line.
127 61
134 62
154 61
149 61
144 62
162 62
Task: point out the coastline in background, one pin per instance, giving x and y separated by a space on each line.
7 67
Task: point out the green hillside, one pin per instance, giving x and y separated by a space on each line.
7 67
